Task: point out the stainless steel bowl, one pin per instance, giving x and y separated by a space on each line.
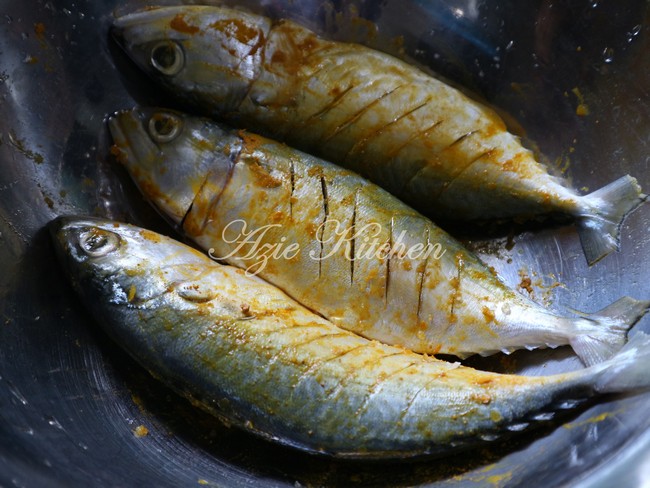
574 75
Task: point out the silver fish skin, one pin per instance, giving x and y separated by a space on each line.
244 351
340 245
424 141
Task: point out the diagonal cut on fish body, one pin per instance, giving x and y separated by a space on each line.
342 246
244 351
421 139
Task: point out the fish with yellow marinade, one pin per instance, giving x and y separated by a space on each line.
340 245
427 143
245 352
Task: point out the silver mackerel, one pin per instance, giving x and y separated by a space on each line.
244 351
340 245
423 140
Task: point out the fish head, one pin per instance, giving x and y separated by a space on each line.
120 264
171 156
208 53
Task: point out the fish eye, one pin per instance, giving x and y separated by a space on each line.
164 127
167 57
97 242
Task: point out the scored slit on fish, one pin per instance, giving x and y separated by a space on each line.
328 98
292 182
378 385
394 296
389 256
427 130
339 394
353 236
421 275
325 197
346 123
451 181
331 104
362 142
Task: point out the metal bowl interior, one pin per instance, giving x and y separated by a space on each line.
571 77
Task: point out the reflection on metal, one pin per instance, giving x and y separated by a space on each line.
56 366
458 18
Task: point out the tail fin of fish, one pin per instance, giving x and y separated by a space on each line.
599 231
628 369
608 338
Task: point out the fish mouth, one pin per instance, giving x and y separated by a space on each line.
132 29
155 169
144 15
125 20
131 143
123 25
139 26
122 146
117 33
58 232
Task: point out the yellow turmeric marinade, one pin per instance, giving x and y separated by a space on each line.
340 245
424 141
244 351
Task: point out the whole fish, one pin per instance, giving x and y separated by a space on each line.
340 245
424 141
244 351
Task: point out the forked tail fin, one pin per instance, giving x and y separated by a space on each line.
613 322
599 231
628 370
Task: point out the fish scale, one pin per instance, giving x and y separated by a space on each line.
338 394
363 259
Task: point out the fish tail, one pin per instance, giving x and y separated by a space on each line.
610 336
599 230
628 369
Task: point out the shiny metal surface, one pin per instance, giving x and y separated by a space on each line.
573 75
